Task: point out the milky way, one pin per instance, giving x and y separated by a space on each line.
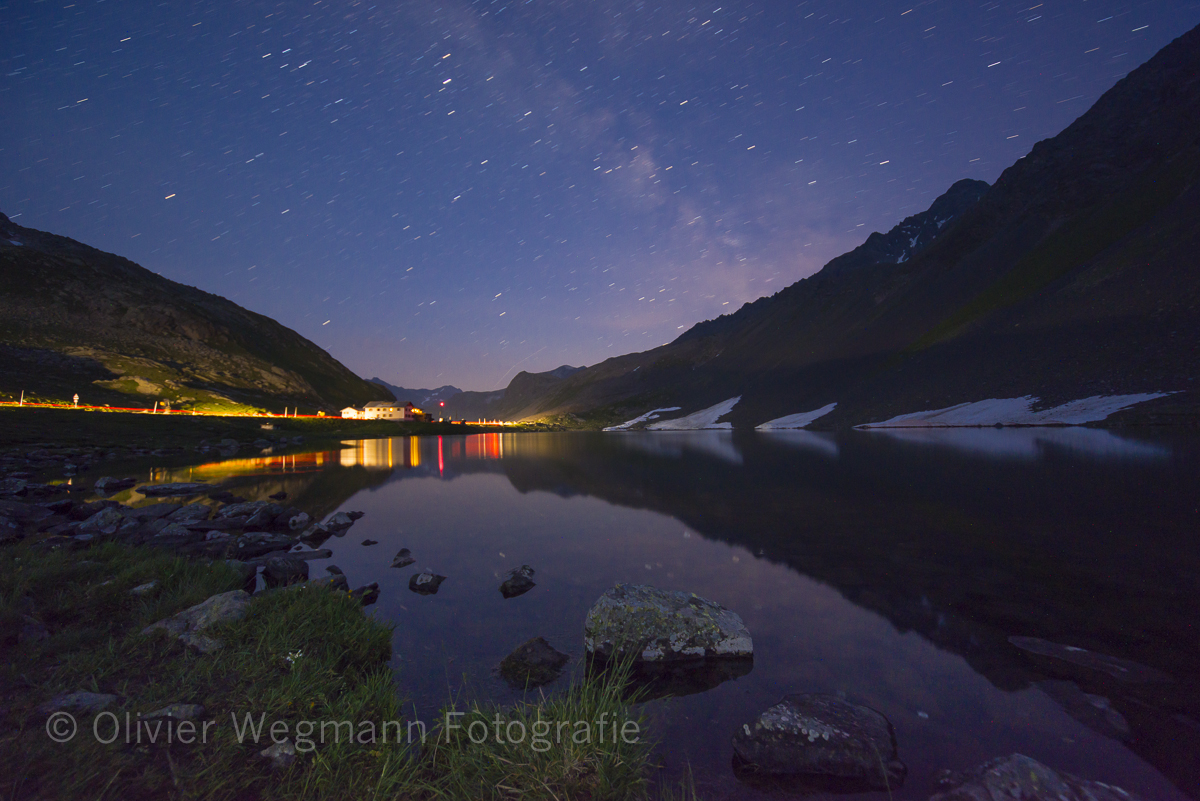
450 192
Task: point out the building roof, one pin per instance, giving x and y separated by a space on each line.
385 405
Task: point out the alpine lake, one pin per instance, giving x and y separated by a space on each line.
890 568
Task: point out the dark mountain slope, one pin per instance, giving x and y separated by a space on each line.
1071 276
421 398
76 319
525 388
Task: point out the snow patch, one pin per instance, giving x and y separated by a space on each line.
1017 412
795 420
16 242
705 418
650 415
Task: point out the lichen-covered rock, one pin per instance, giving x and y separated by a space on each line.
108 522
217 609
662 625
248 509
1018 777
258 544
340 522
192 513
822 738
403 559
281 755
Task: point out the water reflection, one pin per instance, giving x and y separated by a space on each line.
1028 443
820 442
675 444
865 563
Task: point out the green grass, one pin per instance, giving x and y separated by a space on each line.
301 657
584 743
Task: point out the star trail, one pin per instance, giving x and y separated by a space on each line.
449 192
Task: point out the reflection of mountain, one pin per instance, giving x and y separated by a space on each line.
964 550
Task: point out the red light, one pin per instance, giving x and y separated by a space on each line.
441 403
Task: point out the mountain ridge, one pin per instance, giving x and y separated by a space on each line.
1068 278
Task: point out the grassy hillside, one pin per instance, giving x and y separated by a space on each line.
76 319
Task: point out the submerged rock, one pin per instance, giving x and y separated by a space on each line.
425 583
517 581
662 625
823 742
1122 669
403 559
680 677
1094 711
1018 777
534 663
169 490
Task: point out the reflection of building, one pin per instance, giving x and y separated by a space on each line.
382 453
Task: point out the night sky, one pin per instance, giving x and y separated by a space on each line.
449 192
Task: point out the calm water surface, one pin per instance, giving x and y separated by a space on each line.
887 567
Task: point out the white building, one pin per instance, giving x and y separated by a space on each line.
389 410
350 413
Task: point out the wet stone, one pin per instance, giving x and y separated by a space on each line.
1018 777
820 742
283 570
517 581
425 583
661 625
